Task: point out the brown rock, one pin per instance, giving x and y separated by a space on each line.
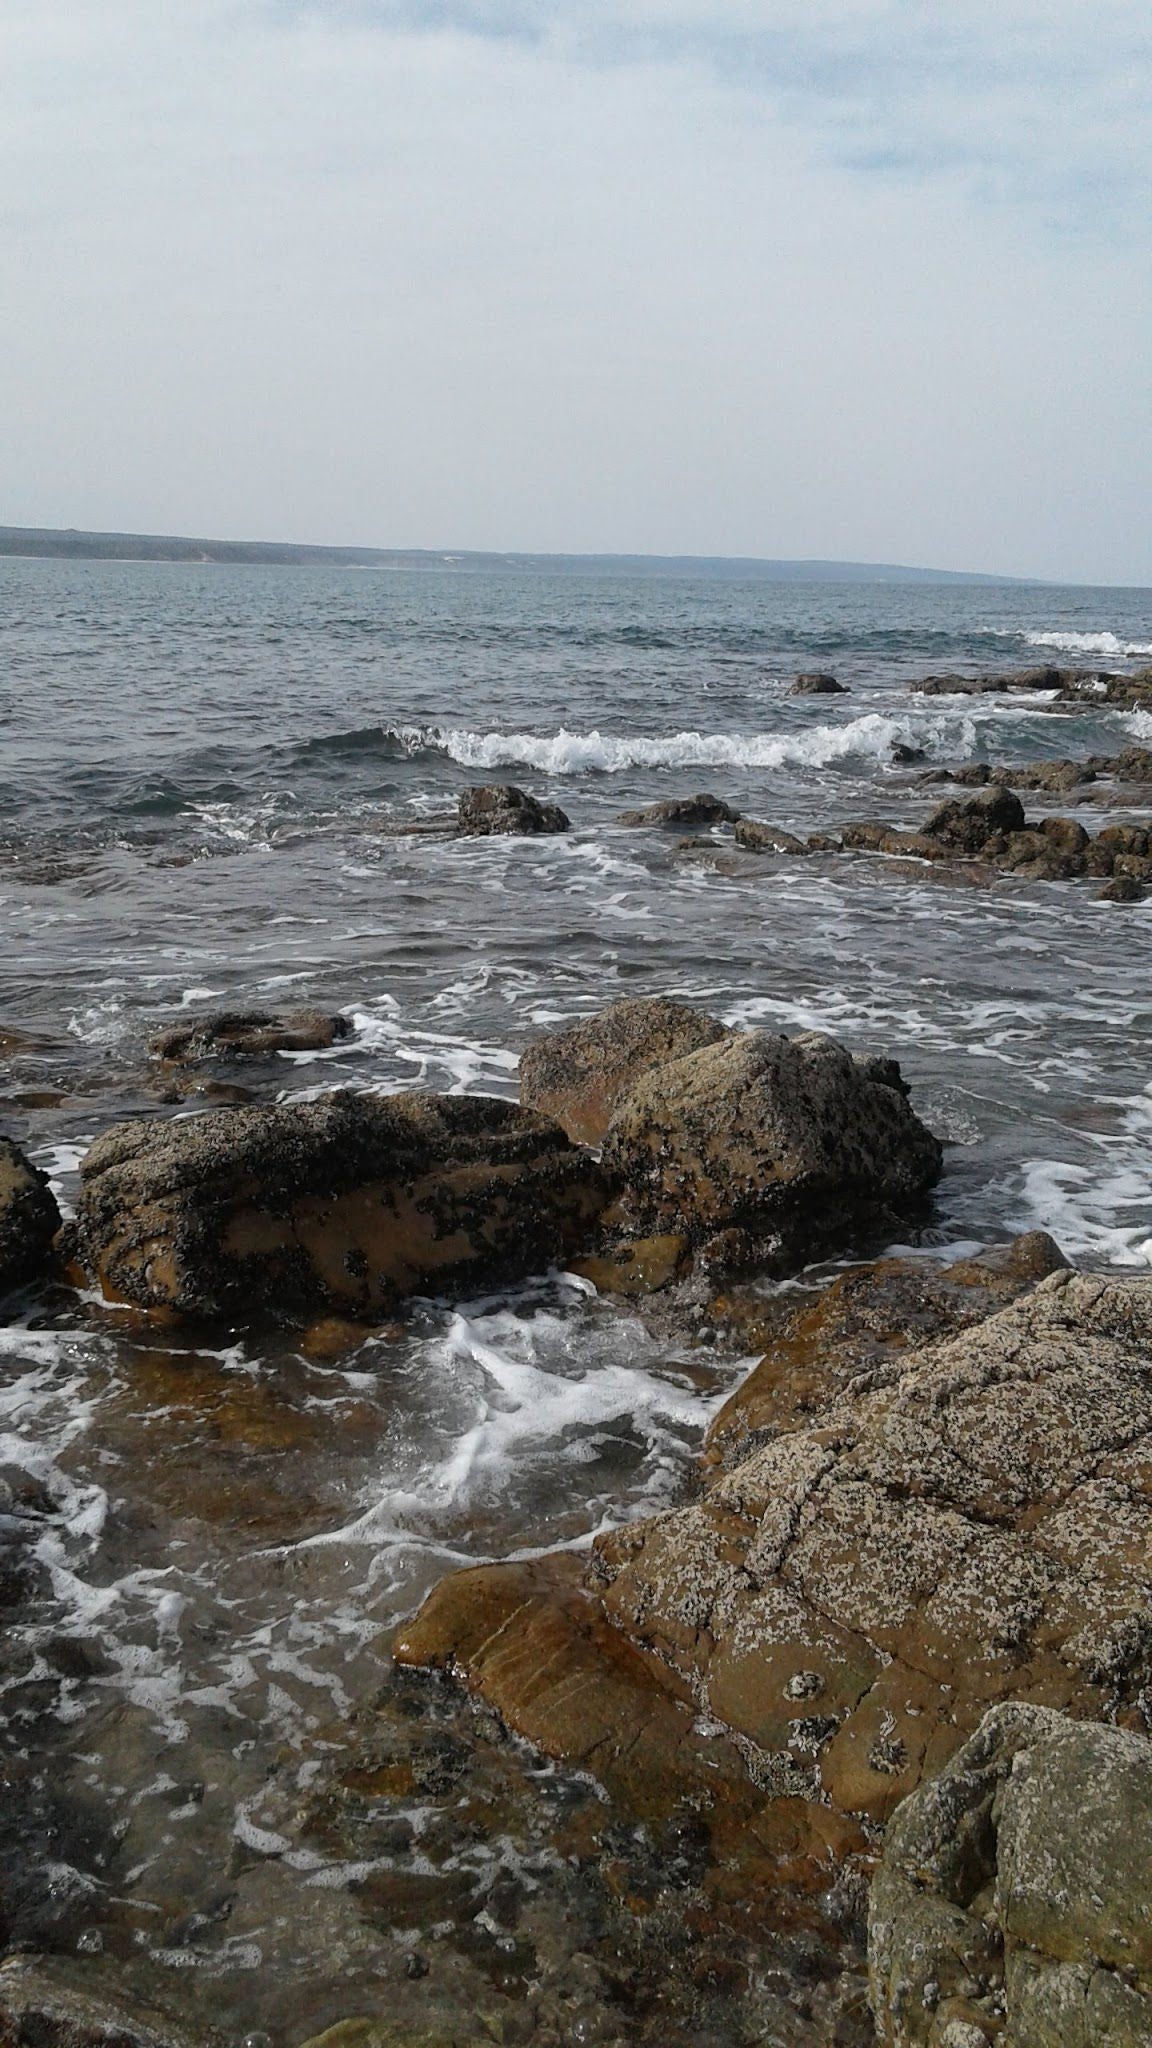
1124 889
815 684
502 808
756 837
966 824
683 810
578 1076
249 1034
793 1140
641 1266
347 1204
29 1219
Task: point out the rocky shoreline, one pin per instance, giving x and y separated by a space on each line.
875 1695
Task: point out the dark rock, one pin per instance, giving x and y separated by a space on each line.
500 807
578 1076
966 824
1012 1903
904 755
248 1034
756 837
61 2002
683 810
793 1140
872 835
815 684
824 842
348 1203
1123 889
29 1219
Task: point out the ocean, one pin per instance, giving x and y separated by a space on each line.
206 777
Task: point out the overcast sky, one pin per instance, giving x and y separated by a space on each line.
849 278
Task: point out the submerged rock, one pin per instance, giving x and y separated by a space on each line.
248 1034
1012 1905
793 1141
501 807
29 1219
683 810
348 1203
579 1076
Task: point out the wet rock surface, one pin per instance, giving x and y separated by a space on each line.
1067 686
29 1219
249 1034
793 1143
1012 1903
683 810
504 808
817 683
348 1203
579 1076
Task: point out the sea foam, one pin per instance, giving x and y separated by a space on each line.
871 736
1090 643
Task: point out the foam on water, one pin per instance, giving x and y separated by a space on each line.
868 737
1090 643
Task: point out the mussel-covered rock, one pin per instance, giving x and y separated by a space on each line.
348 1204
578 1076
502 807
794 1142
1012 1904
29 1219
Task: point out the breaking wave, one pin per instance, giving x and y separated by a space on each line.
1090 643
579 753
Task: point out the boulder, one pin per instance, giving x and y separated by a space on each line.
578 1076
29 1219
249 1034
500 807
872 835
1122 889
794 1142
683 810
966 824
1013 1897
756 837
346 1204
816 684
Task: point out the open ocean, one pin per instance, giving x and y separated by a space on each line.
201 775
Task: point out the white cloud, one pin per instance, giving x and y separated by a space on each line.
329 273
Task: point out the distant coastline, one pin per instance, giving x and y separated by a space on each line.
74 544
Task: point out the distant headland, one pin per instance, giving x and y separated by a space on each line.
74 544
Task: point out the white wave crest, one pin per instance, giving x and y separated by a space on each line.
1139 724
578 753
1090 643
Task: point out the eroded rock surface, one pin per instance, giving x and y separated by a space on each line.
579 1076
29 1219
348 1203
1013 1899
791 1142
502 807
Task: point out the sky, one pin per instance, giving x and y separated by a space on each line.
853 279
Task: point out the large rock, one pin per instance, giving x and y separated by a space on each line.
1014 1899
347 1203
501 807
29 1219
578 1076
816 683
794 1143
702 809
966 824
249 1034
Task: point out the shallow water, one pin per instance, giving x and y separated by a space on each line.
203 772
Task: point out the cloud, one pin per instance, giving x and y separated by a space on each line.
679 277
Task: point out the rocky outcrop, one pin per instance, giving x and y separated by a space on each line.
757 837
29 1219
249 1034
966 824
501 807
1066 685
957 1523
347 1204
1013 1907
788 1143
1132 766
683 810
815 683
579 1076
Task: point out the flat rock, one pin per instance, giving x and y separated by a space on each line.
1013 1895
683 810
249 1034
503 808
29 1219
578 1076
346 1204
757 837
793 1142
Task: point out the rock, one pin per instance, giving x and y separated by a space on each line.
871 835
756 837
1013 1895
66 2002
29 1219
1123 889
903 755
824 842
578 1076
815 684
247 1034
794 1141
348 1204
500 807
641 1266
683 810
1124 838
966 824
